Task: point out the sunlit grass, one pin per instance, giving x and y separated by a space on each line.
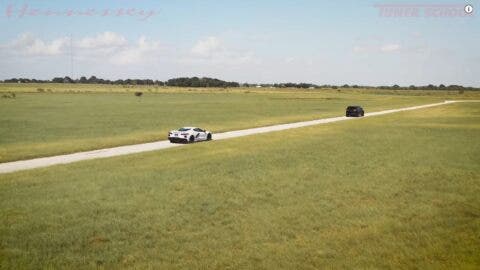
44 124
396 191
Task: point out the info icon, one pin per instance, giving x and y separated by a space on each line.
468 9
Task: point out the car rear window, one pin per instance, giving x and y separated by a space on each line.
351 108
183 129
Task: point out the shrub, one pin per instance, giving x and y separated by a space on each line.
9 95
40 90
138 94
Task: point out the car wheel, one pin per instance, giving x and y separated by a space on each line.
192 139
209 137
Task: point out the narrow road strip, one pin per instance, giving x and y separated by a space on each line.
145 147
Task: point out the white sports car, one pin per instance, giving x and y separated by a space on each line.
189 135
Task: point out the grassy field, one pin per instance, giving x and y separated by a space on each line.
70 118
397 191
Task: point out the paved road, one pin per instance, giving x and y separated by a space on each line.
145 147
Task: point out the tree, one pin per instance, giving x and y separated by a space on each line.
455 87
92 79
67 80
57 80
200 82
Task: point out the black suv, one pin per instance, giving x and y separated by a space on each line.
354 111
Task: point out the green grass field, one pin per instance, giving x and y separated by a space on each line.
70 118
396 191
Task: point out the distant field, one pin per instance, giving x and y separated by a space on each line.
397 191
105 88
38 124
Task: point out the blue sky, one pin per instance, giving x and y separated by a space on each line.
324 42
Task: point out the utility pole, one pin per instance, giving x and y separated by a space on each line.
71 56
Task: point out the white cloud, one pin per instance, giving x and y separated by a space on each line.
30 45
377 48
208 47
103 40
212 50
141 51
390 48
360 49
106 47
114 53
116 49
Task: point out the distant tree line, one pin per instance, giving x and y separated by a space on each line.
346 86
200 82
429 87
212 82
91 80
180 82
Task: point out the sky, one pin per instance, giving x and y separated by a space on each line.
263 41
